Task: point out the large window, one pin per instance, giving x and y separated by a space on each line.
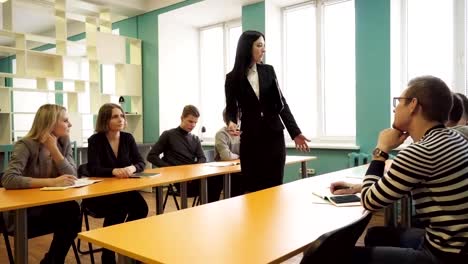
217 53
319 68
428 38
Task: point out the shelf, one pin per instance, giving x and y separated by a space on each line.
6 51
58 79
68 65
128 80
5 132
43 65
5 101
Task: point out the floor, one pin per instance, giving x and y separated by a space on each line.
38 246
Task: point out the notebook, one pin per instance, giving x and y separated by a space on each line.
338 200
78 183
143 175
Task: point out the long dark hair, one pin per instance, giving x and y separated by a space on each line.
244 52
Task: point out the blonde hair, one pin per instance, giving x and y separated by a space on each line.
105 115
45 120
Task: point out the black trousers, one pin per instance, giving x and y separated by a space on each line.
63 220
237 184
116 209
403 246
262 156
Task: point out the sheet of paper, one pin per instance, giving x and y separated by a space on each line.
222 164
78 183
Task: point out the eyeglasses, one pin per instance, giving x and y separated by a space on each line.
396 100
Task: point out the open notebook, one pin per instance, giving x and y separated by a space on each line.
78 183
338 200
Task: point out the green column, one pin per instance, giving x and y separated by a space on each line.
253 17
372 70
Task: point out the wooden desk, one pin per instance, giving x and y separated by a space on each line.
20 200
261 227
202 171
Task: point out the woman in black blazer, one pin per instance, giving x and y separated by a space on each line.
252 92
114 153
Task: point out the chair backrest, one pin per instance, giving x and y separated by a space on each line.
336 246
83 170
7 150
210 155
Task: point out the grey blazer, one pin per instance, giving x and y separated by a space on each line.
28 162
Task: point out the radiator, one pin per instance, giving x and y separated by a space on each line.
356 159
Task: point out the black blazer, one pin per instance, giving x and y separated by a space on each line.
268 111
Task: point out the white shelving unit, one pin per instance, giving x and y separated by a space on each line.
64 65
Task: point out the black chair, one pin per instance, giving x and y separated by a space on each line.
171 190
85 212
337 246
6 233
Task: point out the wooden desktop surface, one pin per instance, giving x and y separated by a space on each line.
262 227
25 198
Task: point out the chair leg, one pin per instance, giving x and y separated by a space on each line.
8 247
7 240
90 250
165 197
174 195
195 201
75 251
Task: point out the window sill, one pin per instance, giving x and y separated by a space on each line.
319 145
327 145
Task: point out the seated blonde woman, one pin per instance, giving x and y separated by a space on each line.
44 158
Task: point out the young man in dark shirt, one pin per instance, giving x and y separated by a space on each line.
180 147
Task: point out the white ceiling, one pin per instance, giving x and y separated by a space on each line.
37 16
208 12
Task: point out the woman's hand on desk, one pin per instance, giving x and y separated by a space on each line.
64 180
121 173
301 143
341 187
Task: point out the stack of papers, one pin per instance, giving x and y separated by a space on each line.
78 183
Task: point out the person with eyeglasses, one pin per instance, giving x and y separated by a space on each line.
434 169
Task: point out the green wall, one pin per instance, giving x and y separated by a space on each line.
372 71
147 28
253 17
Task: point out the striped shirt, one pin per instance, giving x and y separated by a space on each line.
435 171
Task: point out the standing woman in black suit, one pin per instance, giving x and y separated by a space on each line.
252 91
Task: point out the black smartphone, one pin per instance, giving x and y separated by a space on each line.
349 198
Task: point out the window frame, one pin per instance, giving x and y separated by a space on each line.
225 26
319 100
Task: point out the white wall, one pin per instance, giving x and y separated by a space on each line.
178 69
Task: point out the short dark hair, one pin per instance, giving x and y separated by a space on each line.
465 103
433 96
456 112
105 115
244 52
190 110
